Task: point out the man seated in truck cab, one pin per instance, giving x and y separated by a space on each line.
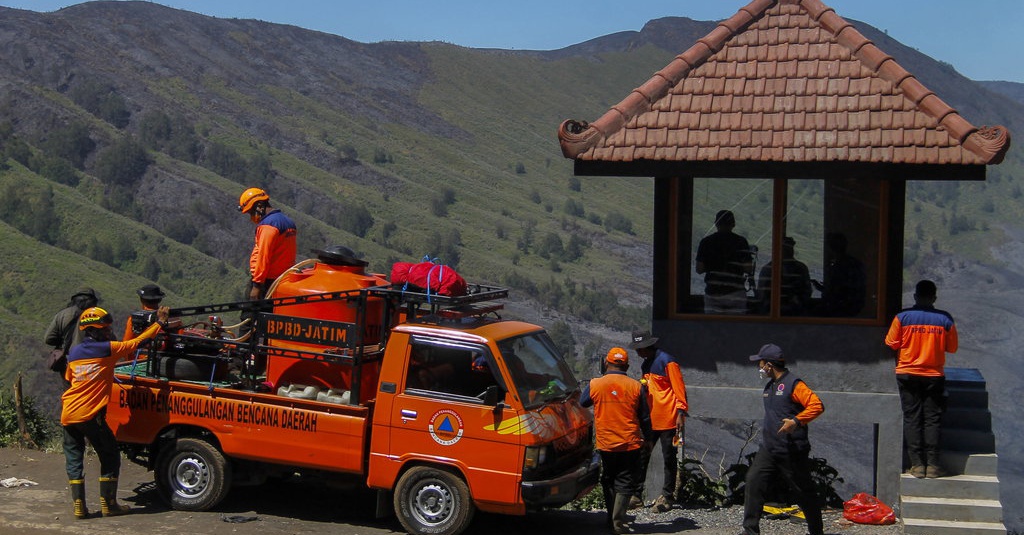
450 370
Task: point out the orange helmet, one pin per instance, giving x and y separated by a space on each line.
94 317
249 199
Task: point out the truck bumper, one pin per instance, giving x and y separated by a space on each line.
563 489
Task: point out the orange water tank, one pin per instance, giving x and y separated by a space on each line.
335 270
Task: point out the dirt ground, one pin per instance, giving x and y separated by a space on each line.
299 506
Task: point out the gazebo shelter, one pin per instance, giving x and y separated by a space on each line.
786 116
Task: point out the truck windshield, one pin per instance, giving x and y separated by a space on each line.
540 374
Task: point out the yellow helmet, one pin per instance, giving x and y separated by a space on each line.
249 199
94 317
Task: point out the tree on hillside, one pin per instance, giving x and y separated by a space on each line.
445 247
16 149
561 335
71 142
101 100
31 211
56 169
175 136
356 218
619 222
227 162
550 246
123 163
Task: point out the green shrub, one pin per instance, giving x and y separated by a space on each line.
41 430
696 487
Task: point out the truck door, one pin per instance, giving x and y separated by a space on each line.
450 411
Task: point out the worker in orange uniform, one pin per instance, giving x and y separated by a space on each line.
922 335
275 247
789 405
620 421
150 296
666 396
84 405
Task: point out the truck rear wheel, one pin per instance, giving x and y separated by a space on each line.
192 474
430 501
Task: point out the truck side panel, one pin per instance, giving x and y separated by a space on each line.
248 425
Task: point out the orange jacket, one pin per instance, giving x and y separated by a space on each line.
91 373
922 335
666 390
275 247
618 409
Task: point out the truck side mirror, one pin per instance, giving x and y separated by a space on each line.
493 395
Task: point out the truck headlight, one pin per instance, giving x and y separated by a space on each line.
536 456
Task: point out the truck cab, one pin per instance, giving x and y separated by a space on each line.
434 401
489 400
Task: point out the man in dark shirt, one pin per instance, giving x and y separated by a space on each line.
725 261
796 283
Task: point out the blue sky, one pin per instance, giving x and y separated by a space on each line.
982 39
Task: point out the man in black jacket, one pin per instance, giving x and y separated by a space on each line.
789 405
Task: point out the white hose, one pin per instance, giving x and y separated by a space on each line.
297 267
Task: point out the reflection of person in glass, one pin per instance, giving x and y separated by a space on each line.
796 282
843 290
725 261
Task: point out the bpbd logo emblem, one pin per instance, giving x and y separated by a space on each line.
446 427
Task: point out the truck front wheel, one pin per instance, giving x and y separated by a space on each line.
192 474
429 501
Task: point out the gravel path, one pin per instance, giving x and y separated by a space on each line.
303 505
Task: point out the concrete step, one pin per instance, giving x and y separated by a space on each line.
966 397
967 487
974 464
914 526
968 440
951 509
974 418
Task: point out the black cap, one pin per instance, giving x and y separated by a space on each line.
339 255
87 292
770 353
151 292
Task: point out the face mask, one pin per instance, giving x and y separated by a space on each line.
763 374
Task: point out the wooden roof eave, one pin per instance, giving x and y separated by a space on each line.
833 170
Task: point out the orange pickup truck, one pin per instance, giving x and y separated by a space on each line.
433 401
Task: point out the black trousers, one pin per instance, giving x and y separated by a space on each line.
668 454
796 469
102 440
619 474
923 400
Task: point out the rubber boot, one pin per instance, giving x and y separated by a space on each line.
108 498
619 514
78 498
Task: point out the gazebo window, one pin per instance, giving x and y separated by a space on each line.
781 248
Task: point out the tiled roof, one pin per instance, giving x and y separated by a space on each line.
784 81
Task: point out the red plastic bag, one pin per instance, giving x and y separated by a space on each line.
864 508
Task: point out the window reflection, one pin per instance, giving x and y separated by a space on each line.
827 249
731 224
